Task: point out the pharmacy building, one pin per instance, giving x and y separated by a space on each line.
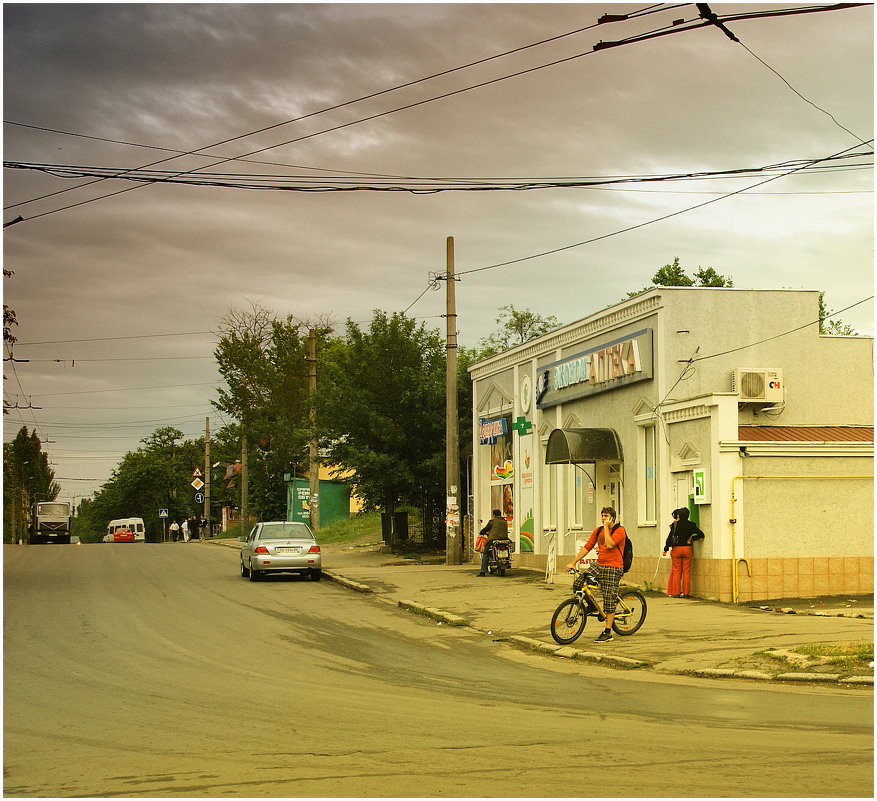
726 401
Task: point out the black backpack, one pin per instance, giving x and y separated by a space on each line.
627 555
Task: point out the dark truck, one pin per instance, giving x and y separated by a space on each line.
50 522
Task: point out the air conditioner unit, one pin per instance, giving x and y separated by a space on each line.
758 385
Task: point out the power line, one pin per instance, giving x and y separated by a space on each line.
645 223
332 108
298 183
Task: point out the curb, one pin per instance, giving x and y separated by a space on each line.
610 660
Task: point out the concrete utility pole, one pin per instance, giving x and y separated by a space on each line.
207 472
453 538
313 464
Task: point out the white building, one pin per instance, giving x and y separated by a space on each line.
724 400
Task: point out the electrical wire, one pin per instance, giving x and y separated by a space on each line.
645 223
298 183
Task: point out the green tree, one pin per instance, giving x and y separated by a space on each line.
382 410
264 363
673 275
27 478
156 476
832 327
515 328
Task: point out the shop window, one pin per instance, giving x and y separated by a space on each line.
549 497
648 479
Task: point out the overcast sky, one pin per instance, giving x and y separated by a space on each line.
119 87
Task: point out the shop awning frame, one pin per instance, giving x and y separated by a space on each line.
581 445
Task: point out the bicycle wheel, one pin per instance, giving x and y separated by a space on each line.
630 612
568 621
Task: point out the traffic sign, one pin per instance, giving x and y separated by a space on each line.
162 512
197 484
199 497
196 473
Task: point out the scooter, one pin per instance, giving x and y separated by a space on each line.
499 556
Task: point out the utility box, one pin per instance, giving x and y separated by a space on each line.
334 500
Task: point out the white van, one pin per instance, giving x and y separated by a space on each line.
134 525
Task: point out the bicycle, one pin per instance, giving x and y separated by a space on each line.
568 620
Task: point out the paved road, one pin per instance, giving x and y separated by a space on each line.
155 670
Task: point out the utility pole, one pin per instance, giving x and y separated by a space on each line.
207 472
245 512
453 538
313 465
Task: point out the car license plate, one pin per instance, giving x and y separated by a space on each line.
289 549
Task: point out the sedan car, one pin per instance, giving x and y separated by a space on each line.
279 547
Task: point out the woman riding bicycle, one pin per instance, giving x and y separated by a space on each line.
609 539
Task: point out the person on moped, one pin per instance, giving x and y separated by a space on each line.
496 529
609 539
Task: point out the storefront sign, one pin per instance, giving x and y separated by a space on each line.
605 367
491 429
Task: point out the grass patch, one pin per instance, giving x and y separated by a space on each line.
365 526
845 657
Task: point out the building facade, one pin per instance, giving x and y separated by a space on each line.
727 401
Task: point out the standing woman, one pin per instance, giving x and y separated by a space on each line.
682 534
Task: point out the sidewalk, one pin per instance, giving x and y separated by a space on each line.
686 636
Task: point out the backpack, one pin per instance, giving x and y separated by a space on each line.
627 555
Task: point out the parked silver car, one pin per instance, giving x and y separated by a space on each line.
278 547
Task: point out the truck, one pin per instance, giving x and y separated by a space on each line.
50 522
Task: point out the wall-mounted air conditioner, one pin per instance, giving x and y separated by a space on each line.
758 384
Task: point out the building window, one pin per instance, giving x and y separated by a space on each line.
549 498
649 478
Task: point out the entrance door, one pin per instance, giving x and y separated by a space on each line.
609 486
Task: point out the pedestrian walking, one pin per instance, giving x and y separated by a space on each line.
184 530
679 542
175 531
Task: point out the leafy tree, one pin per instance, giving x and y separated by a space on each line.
833 327
264 363
674 275
515 328
156 476
27 478
381 403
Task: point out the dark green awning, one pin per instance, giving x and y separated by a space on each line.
579 445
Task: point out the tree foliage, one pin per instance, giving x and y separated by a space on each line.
382 409
264 362
27 478
515 328
832 327
673 275
155 476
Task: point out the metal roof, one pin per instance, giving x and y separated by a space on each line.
805 433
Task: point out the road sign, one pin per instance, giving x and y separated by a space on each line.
198 484
162 512
196 473
199 497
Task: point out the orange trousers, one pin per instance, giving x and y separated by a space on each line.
680 570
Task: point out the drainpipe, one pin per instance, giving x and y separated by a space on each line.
735 587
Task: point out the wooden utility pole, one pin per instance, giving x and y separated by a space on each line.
245 511
207 472
453 538
313 464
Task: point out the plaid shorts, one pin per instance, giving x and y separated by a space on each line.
609 578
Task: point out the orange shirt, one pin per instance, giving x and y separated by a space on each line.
611 557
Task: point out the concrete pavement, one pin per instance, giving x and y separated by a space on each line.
685 636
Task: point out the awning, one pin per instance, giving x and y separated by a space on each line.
579 445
